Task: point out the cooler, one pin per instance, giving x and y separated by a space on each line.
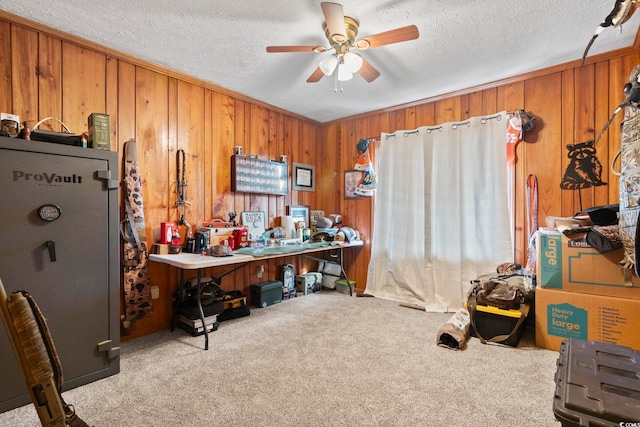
266 293
597 384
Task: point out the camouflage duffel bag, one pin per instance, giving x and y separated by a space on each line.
630 182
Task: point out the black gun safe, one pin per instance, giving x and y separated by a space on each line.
59 240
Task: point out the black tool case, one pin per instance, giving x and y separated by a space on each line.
597 384
266 293
235 306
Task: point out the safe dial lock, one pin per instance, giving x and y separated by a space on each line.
49 212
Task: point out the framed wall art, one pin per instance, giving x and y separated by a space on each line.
250 174
314 217
255 223
351 180
299 214
303 177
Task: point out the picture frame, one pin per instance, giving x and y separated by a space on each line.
351 179
303 177
299 213
255 223
315 215
251 174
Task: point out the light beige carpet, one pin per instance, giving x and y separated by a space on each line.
324 359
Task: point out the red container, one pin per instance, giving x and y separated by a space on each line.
241 235
231 241
166 232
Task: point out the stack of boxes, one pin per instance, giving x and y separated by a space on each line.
331 272
582 294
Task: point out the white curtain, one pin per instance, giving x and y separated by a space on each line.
441 213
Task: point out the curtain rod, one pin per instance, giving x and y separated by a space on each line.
455 125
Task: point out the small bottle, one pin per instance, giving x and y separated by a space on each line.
174 247
175 239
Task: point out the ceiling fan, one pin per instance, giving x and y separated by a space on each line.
341 32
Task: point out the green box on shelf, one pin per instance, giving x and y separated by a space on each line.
99 131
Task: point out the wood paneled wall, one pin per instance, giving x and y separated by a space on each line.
47 73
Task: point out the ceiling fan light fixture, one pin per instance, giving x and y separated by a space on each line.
328 64
351 62
344 73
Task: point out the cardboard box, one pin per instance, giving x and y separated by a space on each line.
161 248
561 315
572 265
306 283
99 131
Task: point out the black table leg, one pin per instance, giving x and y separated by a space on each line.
204 325
344 273
176 303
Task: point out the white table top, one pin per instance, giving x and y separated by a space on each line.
189 261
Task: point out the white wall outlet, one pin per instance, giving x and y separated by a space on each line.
155 292
260 271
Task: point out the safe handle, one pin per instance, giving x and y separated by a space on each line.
50 244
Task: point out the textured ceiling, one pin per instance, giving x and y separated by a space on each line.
463 43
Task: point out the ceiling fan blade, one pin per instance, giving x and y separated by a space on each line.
334 17
398 35
316 76
368 71
275 49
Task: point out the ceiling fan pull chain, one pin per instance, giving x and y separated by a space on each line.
337 74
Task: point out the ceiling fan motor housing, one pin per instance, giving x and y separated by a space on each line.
351 31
